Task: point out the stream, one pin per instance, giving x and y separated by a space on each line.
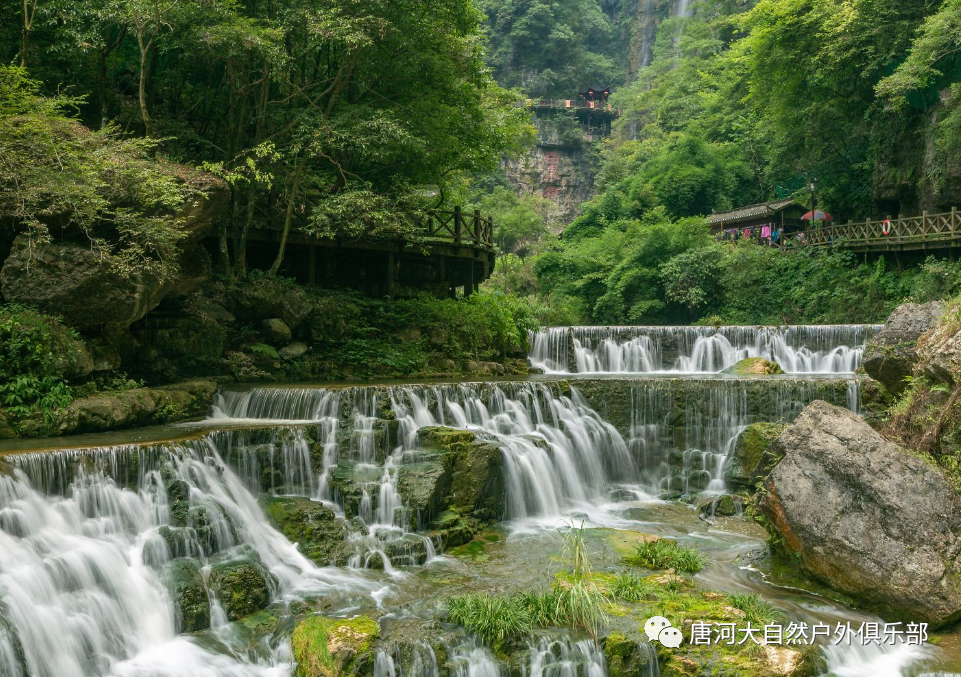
625 431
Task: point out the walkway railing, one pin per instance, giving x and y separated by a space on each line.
933 228
459 228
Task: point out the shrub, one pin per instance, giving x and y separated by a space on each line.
667 554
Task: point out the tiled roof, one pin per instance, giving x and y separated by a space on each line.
749 212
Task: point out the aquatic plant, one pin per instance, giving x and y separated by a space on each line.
631 588
494 619
756 610
667 554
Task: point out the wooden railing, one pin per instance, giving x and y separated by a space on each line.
926 228
457 226
460 228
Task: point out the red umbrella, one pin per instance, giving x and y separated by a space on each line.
817 215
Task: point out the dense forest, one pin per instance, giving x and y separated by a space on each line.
348 119
745 102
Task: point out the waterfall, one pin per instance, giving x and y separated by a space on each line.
560 453
801 349
553 657
84 570
682 8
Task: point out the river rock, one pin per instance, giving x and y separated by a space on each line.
189 594
314 527
241 586
751 461
293 351
754 366
891 354
334 647
866 517
276 331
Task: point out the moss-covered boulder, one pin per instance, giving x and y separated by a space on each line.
314 527
472 484
135 407
191 601
754 366
268 298
333 647
627 657
241 586
751 461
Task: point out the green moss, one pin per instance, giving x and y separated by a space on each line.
331 647
241 586
314 527
190 595
754 366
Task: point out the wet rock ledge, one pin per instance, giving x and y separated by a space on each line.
136 407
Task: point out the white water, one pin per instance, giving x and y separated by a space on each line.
82 581
82 584
560 455
827 349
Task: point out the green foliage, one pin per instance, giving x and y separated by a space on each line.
576 602
24 394
264 351
494 619
666 554
551 47
97 186
399 337
36 351
756 610
631 588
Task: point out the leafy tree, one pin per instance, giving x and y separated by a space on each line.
551 48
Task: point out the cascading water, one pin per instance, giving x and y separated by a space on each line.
827 349
84 571
560 454
93 534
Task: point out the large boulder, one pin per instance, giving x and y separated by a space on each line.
939 353
267 298
891 354
866 517
77 283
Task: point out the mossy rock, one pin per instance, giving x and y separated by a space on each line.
750 460
754 366
315 528
333 647
241 586
191 601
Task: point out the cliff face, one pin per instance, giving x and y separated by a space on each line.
561 173
914 174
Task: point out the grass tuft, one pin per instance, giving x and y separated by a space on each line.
667 554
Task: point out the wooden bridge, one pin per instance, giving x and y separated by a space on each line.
456 250
905 233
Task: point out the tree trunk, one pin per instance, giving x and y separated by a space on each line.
288 218
142 92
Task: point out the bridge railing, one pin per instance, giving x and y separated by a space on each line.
906 229
456 226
